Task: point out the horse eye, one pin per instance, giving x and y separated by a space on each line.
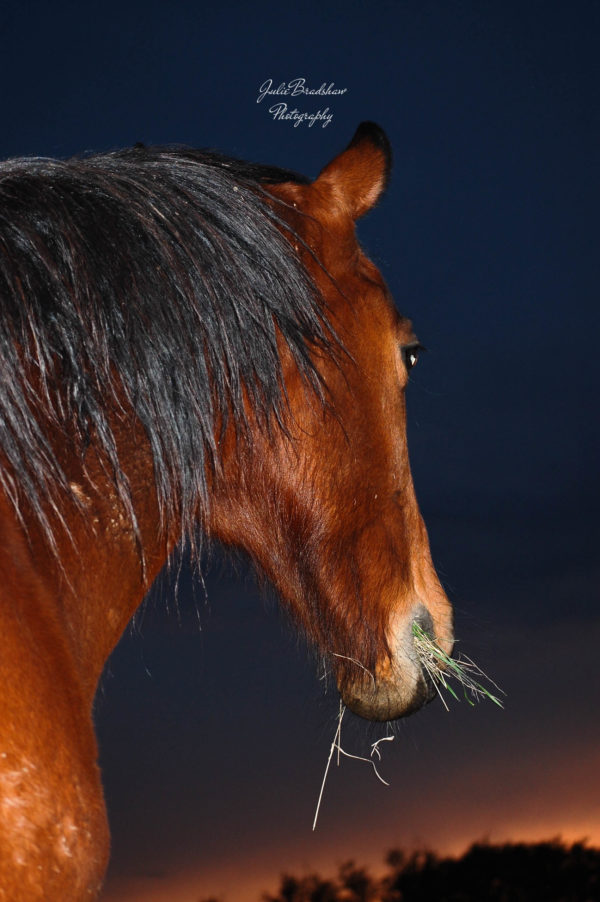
410 354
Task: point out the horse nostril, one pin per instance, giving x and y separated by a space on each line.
423 620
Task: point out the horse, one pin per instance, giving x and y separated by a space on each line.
193 348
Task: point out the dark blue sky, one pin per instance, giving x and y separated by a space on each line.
213 742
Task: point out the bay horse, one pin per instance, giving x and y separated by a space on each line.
191 348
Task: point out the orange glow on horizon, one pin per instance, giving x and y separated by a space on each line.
226 882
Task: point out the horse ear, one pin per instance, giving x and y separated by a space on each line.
358 176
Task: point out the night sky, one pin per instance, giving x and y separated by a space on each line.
214 727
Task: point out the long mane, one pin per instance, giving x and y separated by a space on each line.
156 279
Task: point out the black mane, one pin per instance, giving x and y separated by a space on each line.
154 276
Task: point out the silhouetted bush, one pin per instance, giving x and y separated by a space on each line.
513 872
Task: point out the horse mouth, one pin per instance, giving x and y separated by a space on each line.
402 686
389 699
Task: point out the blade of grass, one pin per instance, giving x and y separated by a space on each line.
441 667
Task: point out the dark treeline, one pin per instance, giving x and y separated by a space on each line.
514 872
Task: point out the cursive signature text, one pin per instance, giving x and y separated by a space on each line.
295 87
281 112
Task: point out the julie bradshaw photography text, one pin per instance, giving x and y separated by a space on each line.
284 112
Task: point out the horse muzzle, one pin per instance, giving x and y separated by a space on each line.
400 686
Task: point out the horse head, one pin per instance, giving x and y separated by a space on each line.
326 504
